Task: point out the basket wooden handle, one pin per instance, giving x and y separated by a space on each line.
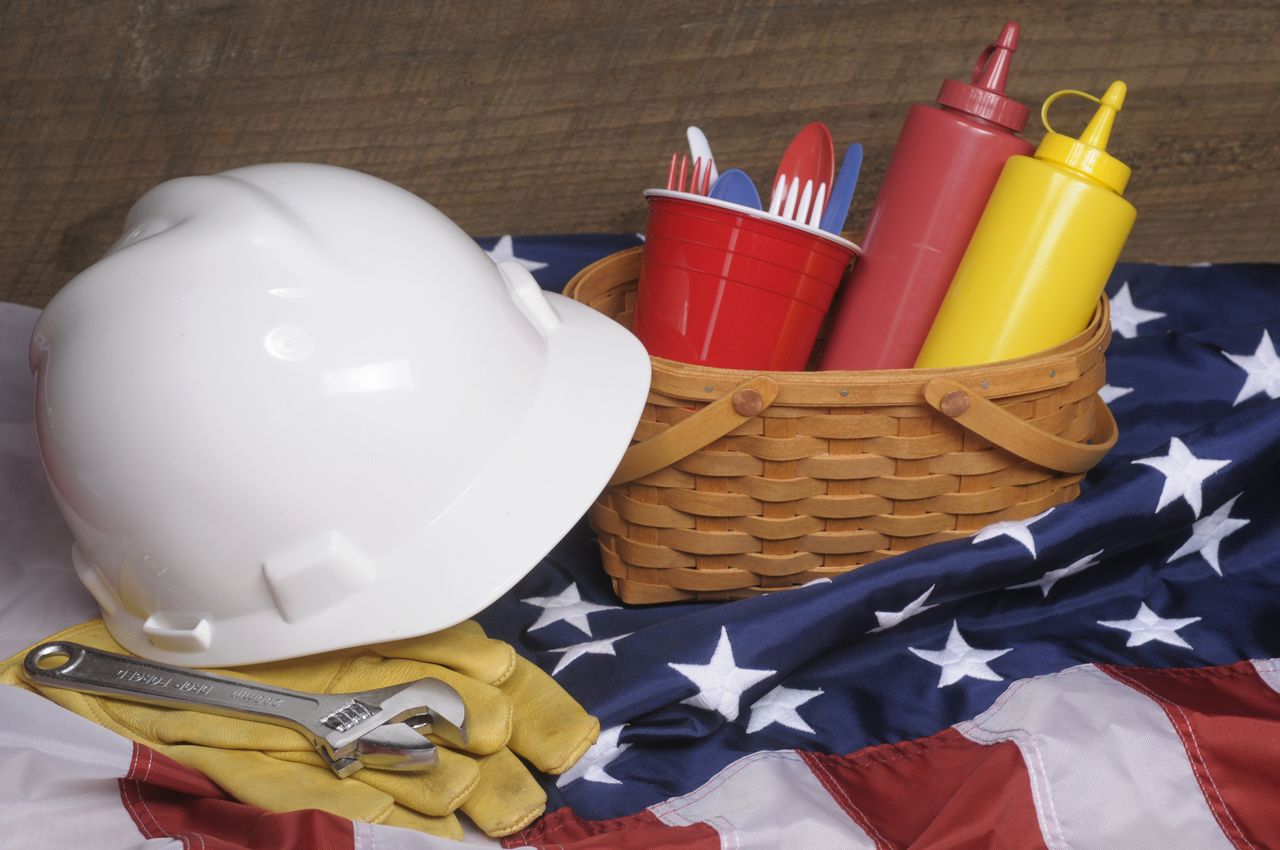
988 419
702 429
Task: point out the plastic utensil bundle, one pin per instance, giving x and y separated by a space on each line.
803 191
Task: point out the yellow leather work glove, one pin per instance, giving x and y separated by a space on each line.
514 711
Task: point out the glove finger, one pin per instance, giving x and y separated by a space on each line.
435 792
548 728
463 648
283 785
445 827
310 673
507 798
157 726
177 726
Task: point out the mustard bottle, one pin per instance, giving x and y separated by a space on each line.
1041 254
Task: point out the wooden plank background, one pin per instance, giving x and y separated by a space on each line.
550 116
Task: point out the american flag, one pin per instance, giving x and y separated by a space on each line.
1100 675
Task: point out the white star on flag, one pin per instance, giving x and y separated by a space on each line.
1125 316
1207 533
591 766
568 606
779 706
1262 370
889 619
1052 577
721 682
1110 393
1183 473
591 647
1015 528
959 660
1147 626
504 251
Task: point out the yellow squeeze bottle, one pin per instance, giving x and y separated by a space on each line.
1042 252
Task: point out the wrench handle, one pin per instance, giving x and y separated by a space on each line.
64 664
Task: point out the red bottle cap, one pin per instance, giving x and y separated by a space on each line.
985 98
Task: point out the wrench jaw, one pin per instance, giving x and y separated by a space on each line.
342 767
400 747
435 723
400 742
445 715
393 746
365 711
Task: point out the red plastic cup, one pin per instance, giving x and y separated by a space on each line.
731 286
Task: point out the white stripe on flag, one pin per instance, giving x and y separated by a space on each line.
766 800
1269 672
59 786
1107 768
373 836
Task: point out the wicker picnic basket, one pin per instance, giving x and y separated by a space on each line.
739 483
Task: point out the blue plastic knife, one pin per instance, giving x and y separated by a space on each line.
842 193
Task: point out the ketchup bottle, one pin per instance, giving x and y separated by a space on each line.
943 169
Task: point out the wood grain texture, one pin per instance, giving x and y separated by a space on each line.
550 116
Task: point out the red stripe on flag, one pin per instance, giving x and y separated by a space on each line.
169 800
641 831
941 791
1229 722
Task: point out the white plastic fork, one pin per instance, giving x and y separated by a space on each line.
801 205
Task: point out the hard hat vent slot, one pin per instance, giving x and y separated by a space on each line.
316 574
178 632
528 296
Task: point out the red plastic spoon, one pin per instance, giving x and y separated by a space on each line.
810 156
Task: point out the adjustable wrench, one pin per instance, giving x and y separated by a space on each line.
383 728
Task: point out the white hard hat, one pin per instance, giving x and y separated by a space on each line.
295 408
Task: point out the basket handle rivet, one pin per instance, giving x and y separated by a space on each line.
748 402
708 389
844 393
954 403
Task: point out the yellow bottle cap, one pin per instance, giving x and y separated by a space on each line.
1088 154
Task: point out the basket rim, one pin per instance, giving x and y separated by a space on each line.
1048 369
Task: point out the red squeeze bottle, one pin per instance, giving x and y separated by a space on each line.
942 172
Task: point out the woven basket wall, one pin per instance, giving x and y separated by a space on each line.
740 483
